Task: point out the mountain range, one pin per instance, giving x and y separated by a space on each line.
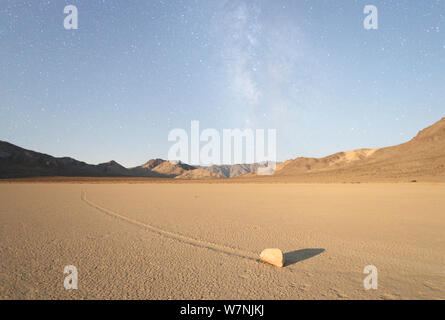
423 157
16 162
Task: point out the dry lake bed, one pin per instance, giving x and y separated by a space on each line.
202 241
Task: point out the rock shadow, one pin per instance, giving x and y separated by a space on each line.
293 257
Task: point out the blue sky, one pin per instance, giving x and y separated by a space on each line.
134 70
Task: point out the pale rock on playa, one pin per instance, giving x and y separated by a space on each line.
273 256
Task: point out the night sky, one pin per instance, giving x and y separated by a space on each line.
134 70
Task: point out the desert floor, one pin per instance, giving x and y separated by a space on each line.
202 241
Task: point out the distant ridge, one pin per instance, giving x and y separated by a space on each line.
17 162
423 157
230 171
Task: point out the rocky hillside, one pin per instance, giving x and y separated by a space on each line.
422 158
